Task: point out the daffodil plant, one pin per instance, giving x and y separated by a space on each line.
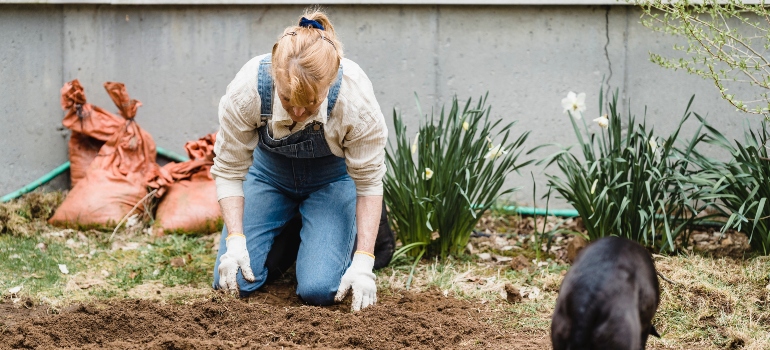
443 177
626 184
743 183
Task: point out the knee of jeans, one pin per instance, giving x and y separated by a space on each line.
318 293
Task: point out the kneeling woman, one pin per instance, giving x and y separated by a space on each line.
319 152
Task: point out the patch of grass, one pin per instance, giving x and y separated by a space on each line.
717 302
37 270
100 268
172 260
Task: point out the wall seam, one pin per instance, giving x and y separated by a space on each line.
606 51
436 60
625 57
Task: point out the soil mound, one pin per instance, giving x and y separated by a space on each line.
270 319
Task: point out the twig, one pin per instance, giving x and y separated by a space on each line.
666 279
130 211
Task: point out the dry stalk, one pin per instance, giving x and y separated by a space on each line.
131 211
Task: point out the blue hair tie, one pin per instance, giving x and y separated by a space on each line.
309 23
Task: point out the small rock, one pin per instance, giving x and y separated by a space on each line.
575 246
470 249
485 256
512 294
42 246
501 242
63 269
105 273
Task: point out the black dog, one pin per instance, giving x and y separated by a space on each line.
607 299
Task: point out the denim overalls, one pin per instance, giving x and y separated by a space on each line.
298 173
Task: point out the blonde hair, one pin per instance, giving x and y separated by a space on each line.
307 59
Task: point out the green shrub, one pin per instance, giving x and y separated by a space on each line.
438 184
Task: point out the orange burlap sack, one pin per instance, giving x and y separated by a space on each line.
91 127
188 193
115 180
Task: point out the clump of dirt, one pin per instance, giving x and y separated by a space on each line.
27 215
421 321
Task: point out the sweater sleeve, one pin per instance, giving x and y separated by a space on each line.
239 118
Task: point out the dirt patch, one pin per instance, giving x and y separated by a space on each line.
274 319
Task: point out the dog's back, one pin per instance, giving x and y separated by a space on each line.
607 299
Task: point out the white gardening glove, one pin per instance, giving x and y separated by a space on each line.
360 278
237 256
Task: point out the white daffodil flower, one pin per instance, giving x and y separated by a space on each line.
414 143
427 174
495 151
602 121
653 145
466 126
575 104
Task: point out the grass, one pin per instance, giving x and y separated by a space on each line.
102 269
716 302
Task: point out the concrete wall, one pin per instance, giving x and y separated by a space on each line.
178 60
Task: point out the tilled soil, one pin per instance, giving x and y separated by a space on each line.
274 318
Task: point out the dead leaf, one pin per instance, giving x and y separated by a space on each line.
520 263
178 262
499 258
63 269
575 246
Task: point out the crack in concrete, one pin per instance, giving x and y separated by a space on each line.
606 51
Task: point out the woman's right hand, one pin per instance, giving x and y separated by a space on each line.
237 256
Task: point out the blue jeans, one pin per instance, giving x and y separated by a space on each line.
275 188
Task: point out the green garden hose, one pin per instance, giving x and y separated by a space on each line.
64 167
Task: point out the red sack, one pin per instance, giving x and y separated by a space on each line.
115 180
188 193
91 127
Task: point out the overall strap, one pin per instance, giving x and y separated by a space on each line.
265 89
